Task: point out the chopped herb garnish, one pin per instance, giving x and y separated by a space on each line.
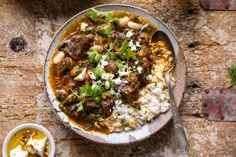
93 14
110 54
232 73
79 106
98 99
86 90
98 71
94 91
105 31
110 18
94 56
126 52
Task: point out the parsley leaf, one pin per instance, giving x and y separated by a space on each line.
105 31
98 71
93 14
126 52
79 106
94 56
110 18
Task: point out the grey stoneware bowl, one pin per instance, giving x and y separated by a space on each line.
123 137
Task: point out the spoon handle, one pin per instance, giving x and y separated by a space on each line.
180 136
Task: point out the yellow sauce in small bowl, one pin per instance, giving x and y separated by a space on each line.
22 137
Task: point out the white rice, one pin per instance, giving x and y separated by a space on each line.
153 98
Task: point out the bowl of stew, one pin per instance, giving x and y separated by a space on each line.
105 78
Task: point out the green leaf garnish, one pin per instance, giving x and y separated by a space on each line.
126 52
93 14
94 56
86 90
110 54
80 107
105 31
98 71
232 73
110 18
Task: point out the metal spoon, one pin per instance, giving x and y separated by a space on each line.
180 136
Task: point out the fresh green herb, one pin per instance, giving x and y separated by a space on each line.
86 90
110 18
94 91
126 52
119 64
94 56
110 54
232 73
80 106
98 71
76 94
97 90
98 99
110 82
93 14
105 31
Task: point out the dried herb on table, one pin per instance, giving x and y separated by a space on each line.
232 73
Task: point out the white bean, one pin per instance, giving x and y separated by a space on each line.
123 21
97 47
58 58
134 25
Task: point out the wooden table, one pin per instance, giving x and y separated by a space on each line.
207 40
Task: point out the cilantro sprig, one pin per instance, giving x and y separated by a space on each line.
93 92
110 54
93 14
94 56
110 18
98 71
126 52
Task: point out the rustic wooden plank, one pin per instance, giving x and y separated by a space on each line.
206 38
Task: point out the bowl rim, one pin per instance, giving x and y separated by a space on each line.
29 126
85 134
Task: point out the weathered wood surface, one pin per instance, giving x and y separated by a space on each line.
207 40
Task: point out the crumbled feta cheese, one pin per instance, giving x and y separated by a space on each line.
83 26
136 62
107 76
139 69
104 63
123 73
132 46
104 57
129 34
117 81
149 77
91 75
19 152
118 102
137 44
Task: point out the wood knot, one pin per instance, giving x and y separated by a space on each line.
17 44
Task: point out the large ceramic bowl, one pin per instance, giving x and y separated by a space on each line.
123 137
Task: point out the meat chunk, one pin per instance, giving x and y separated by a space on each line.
66 64
111 67
146 70
129 91
78 45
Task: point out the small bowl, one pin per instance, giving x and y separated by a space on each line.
51 142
